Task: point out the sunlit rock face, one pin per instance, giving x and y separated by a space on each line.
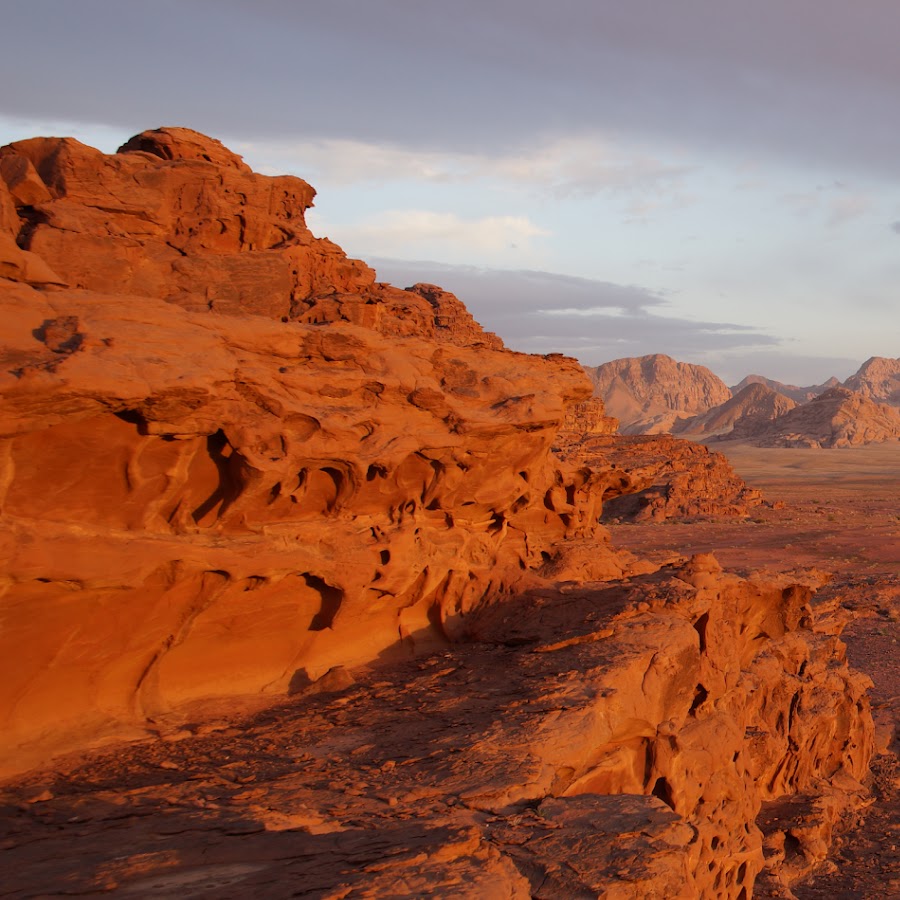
204 505
649 394
235 468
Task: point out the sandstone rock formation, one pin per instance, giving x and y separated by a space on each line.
878 378
837 418
249 500
649 393
233 466
662 477
753 409
797 394
603 740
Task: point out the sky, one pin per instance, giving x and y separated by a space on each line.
711 179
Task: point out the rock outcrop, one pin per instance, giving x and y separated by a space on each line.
614 740
837 418
878 378
236 469
648 394
751 410
659 477
227 504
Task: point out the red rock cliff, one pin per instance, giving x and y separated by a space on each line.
207 505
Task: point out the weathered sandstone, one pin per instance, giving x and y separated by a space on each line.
661 477
837 418
236 470
878 378
793 391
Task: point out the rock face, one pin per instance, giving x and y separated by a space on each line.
604 740
795 393
233 466
662 477
648 394
837 418
239 502
878 379
752 410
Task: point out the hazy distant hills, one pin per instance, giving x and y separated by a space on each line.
648 394
654 394
797 394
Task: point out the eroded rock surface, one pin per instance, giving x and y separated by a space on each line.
837 418
599 740
236 469
750 411
661 477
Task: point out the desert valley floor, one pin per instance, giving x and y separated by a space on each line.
239 809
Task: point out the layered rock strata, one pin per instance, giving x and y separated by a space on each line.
201 505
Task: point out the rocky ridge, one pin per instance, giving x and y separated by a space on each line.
878 379
794 392
651 397
649 393
236 469
837 418
751 410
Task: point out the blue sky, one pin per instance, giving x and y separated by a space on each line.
715 180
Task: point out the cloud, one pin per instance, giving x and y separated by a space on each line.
431 233
812 81
559 167
895 227
595 321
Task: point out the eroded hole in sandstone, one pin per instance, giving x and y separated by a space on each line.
700 696
230 485
376 470
701 625
133 417
662 791
385 556
332 598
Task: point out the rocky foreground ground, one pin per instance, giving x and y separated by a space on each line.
306 590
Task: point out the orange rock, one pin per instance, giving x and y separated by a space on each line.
648 394
235 469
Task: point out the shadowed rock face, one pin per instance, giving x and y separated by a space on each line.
750 410
233 465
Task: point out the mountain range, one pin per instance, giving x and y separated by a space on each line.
656 394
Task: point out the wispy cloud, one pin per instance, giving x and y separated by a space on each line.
595 321
428 232
562 166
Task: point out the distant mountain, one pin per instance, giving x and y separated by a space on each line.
797 394
837 418
879 379
751 410
649 394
